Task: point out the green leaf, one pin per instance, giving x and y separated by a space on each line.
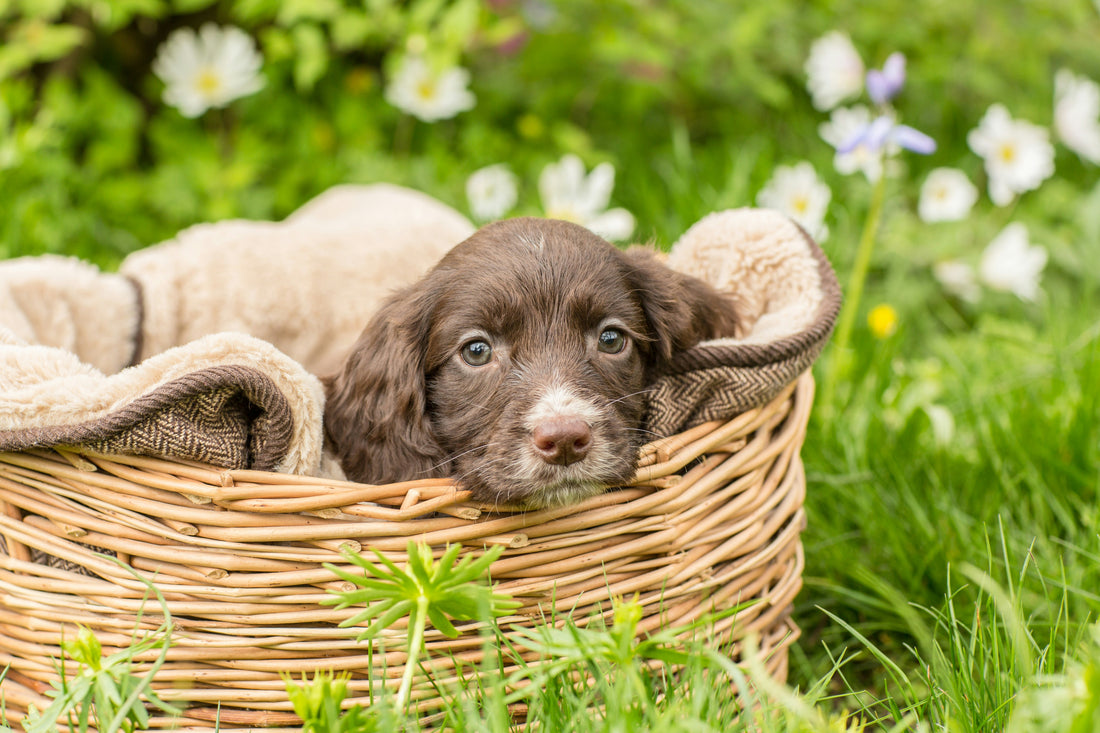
442 623
296 11
387 619
312 57
106 687
191 6
277 43
422 13
42 9
256 10
351 30
32 41
420 563
459 23
445 569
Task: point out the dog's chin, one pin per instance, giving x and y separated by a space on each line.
549 487
563 493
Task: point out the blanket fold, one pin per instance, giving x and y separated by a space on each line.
787 296
227 325
229 399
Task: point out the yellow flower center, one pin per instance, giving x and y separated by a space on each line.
426 89
1008 153
208 82
800 204
564 214
883 321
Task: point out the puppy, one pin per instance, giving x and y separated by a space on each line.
518 365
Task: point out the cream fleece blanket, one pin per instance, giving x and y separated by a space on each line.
206 347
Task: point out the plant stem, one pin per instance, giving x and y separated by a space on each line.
855 292
417 621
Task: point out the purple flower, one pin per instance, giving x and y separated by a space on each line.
882 131
884 85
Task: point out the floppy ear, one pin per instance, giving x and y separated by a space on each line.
375 409
681 310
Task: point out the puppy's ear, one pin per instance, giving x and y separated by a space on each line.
375 407
681 310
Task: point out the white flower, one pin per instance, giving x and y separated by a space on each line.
947 195
427 93
1018 154
834 70
797 192
567 193
207 69
958 279
1077 113
1011 264
843 125
492 192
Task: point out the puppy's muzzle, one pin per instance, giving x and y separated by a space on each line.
562 440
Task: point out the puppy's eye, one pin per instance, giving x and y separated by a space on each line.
611 341
477 353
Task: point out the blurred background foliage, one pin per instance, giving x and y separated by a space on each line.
694 101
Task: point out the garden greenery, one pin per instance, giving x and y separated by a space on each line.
953 537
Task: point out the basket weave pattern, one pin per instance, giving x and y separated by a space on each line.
711 520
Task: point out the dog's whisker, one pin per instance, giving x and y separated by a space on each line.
456 456
628 396
644 431
480 466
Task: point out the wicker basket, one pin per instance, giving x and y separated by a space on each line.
712 520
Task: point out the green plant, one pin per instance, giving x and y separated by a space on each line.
1068 702
318 701
426 591
105 692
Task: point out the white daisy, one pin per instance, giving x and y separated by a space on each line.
834 70
844 124
207 69
1018 154
492 192
567 193
1077 113
1011 264
947 195
430 94
958 279
797 192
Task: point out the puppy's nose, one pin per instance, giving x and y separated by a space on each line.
562 440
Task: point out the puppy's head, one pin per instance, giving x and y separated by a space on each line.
518 365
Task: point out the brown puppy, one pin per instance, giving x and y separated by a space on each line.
518 365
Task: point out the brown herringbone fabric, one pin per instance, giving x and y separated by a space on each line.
717 380
228 416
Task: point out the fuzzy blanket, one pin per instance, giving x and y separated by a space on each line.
206 347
